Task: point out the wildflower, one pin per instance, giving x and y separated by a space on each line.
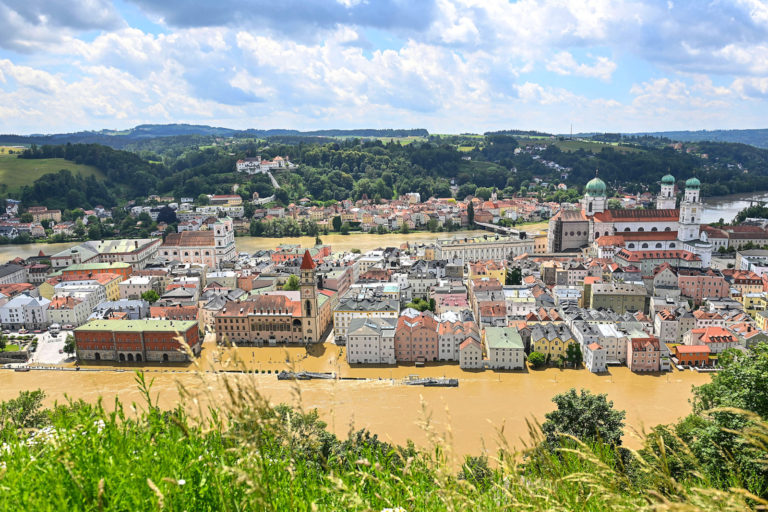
182 481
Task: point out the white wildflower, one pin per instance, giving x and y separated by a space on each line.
182 481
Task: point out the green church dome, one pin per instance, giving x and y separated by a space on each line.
595 187
692 183
668 180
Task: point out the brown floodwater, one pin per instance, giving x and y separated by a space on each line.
486 407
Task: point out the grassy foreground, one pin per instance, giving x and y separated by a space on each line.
248 455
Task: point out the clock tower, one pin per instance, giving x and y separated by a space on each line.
308 287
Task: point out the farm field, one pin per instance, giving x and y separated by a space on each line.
17 172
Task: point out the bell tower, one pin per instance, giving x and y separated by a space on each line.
308 287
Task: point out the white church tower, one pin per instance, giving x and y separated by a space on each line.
666 198
690 211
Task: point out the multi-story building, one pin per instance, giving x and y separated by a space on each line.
487 247
470 354
614 342
504 347
68 311
716 338
302 316
450 336
11 273
692 355
665 326
135 286
361 305
25 312
552 340
371 341
700 284
88 270
595 358
136 252
137 340
210 247
620 297
416 337
644 354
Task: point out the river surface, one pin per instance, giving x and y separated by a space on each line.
485 411
364 242
726 207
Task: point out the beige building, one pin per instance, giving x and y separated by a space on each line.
619 297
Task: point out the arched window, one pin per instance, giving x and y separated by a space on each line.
138 358
122 357
658 246
631 246
590 207
644 246
165 358
672 245
654 228
641 229
130 358
626 229
578 233
692 219
667 229
97 356
308 307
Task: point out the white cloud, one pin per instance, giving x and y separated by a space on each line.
563 63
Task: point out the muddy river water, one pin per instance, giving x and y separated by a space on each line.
470 418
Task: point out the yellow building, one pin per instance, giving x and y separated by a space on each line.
110 282
761 319
540 243
753 303
429 253
490 269
551 340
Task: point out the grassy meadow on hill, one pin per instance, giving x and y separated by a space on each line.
17 172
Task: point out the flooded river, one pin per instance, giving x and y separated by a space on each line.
726 207
364 242
470 417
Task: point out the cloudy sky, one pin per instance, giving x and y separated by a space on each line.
446 65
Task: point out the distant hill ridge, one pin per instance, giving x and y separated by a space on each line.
119 138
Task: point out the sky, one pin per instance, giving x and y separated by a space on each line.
450 66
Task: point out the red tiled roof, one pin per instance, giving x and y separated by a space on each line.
307 263
638 215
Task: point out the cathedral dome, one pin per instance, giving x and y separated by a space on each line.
595 187
692 183
668 180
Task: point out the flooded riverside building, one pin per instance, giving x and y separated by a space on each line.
302 316
136 340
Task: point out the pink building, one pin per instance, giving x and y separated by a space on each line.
455 302
701 284
416 338
644 354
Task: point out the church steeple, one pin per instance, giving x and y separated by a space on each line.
308 286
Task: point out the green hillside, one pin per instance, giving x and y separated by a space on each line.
17 172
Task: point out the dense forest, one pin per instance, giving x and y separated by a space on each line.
379 168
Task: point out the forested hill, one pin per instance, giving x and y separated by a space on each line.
384 168
125 138
757 138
